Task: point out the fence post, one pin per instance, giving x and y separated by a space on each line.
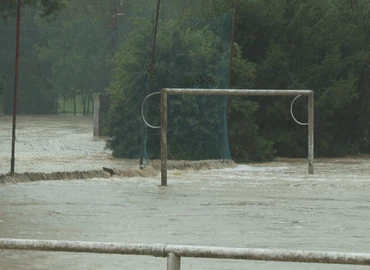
310 132
163 137
15 96
173 262
96 117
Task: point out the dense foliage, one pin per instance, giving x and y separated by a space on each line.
285 44
35 94
311 44
46 8
322 45
41 99
65 53
188 54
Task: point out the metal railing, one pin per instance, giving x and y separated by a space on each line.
234 92
175 252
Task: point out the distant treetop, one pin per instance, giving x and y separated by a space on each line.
46 8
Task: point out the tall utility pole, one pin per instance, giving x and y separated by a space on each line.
151 67
232 43
113 26
12 160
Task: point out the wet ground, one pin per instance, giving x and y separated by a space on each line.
272 205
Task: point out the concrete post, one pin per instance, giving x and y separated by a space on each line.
173 262
96 114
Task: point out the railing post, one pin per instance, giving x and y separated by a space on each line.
310 132
163 137
173 262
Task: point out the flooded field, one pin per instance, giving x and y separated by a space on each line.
54 143
272 205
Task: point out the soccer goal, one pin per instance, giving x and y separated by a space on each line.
235 92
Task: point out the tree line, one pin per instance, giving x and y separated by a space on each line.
321 45
64 55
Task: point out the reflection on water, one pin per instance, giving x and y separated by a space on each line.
273 205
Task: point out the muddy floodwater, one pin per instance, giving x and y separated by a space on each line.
54 143
272 205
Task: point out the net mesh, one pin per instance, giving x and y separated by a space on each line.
199 47
192 51
105 47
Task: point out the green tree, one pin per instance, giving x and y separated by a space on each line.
192 51
246 144
46 8
35 94
187 55
78 55
311 44
77 51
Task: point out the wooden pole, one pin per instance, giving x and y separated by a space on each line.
15 95
151 67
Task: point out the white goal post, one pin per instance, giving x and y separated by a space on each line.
233 92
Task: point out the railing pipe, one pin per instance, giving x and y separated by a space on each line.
174 251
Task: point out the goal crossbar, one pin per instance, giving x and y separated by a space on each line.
233 92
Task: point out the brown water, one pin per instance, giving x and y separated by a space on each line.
272 205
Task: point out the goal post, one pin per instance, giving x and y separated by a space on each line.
233 92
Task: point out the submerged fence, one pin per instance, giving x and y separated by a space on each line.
175 252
